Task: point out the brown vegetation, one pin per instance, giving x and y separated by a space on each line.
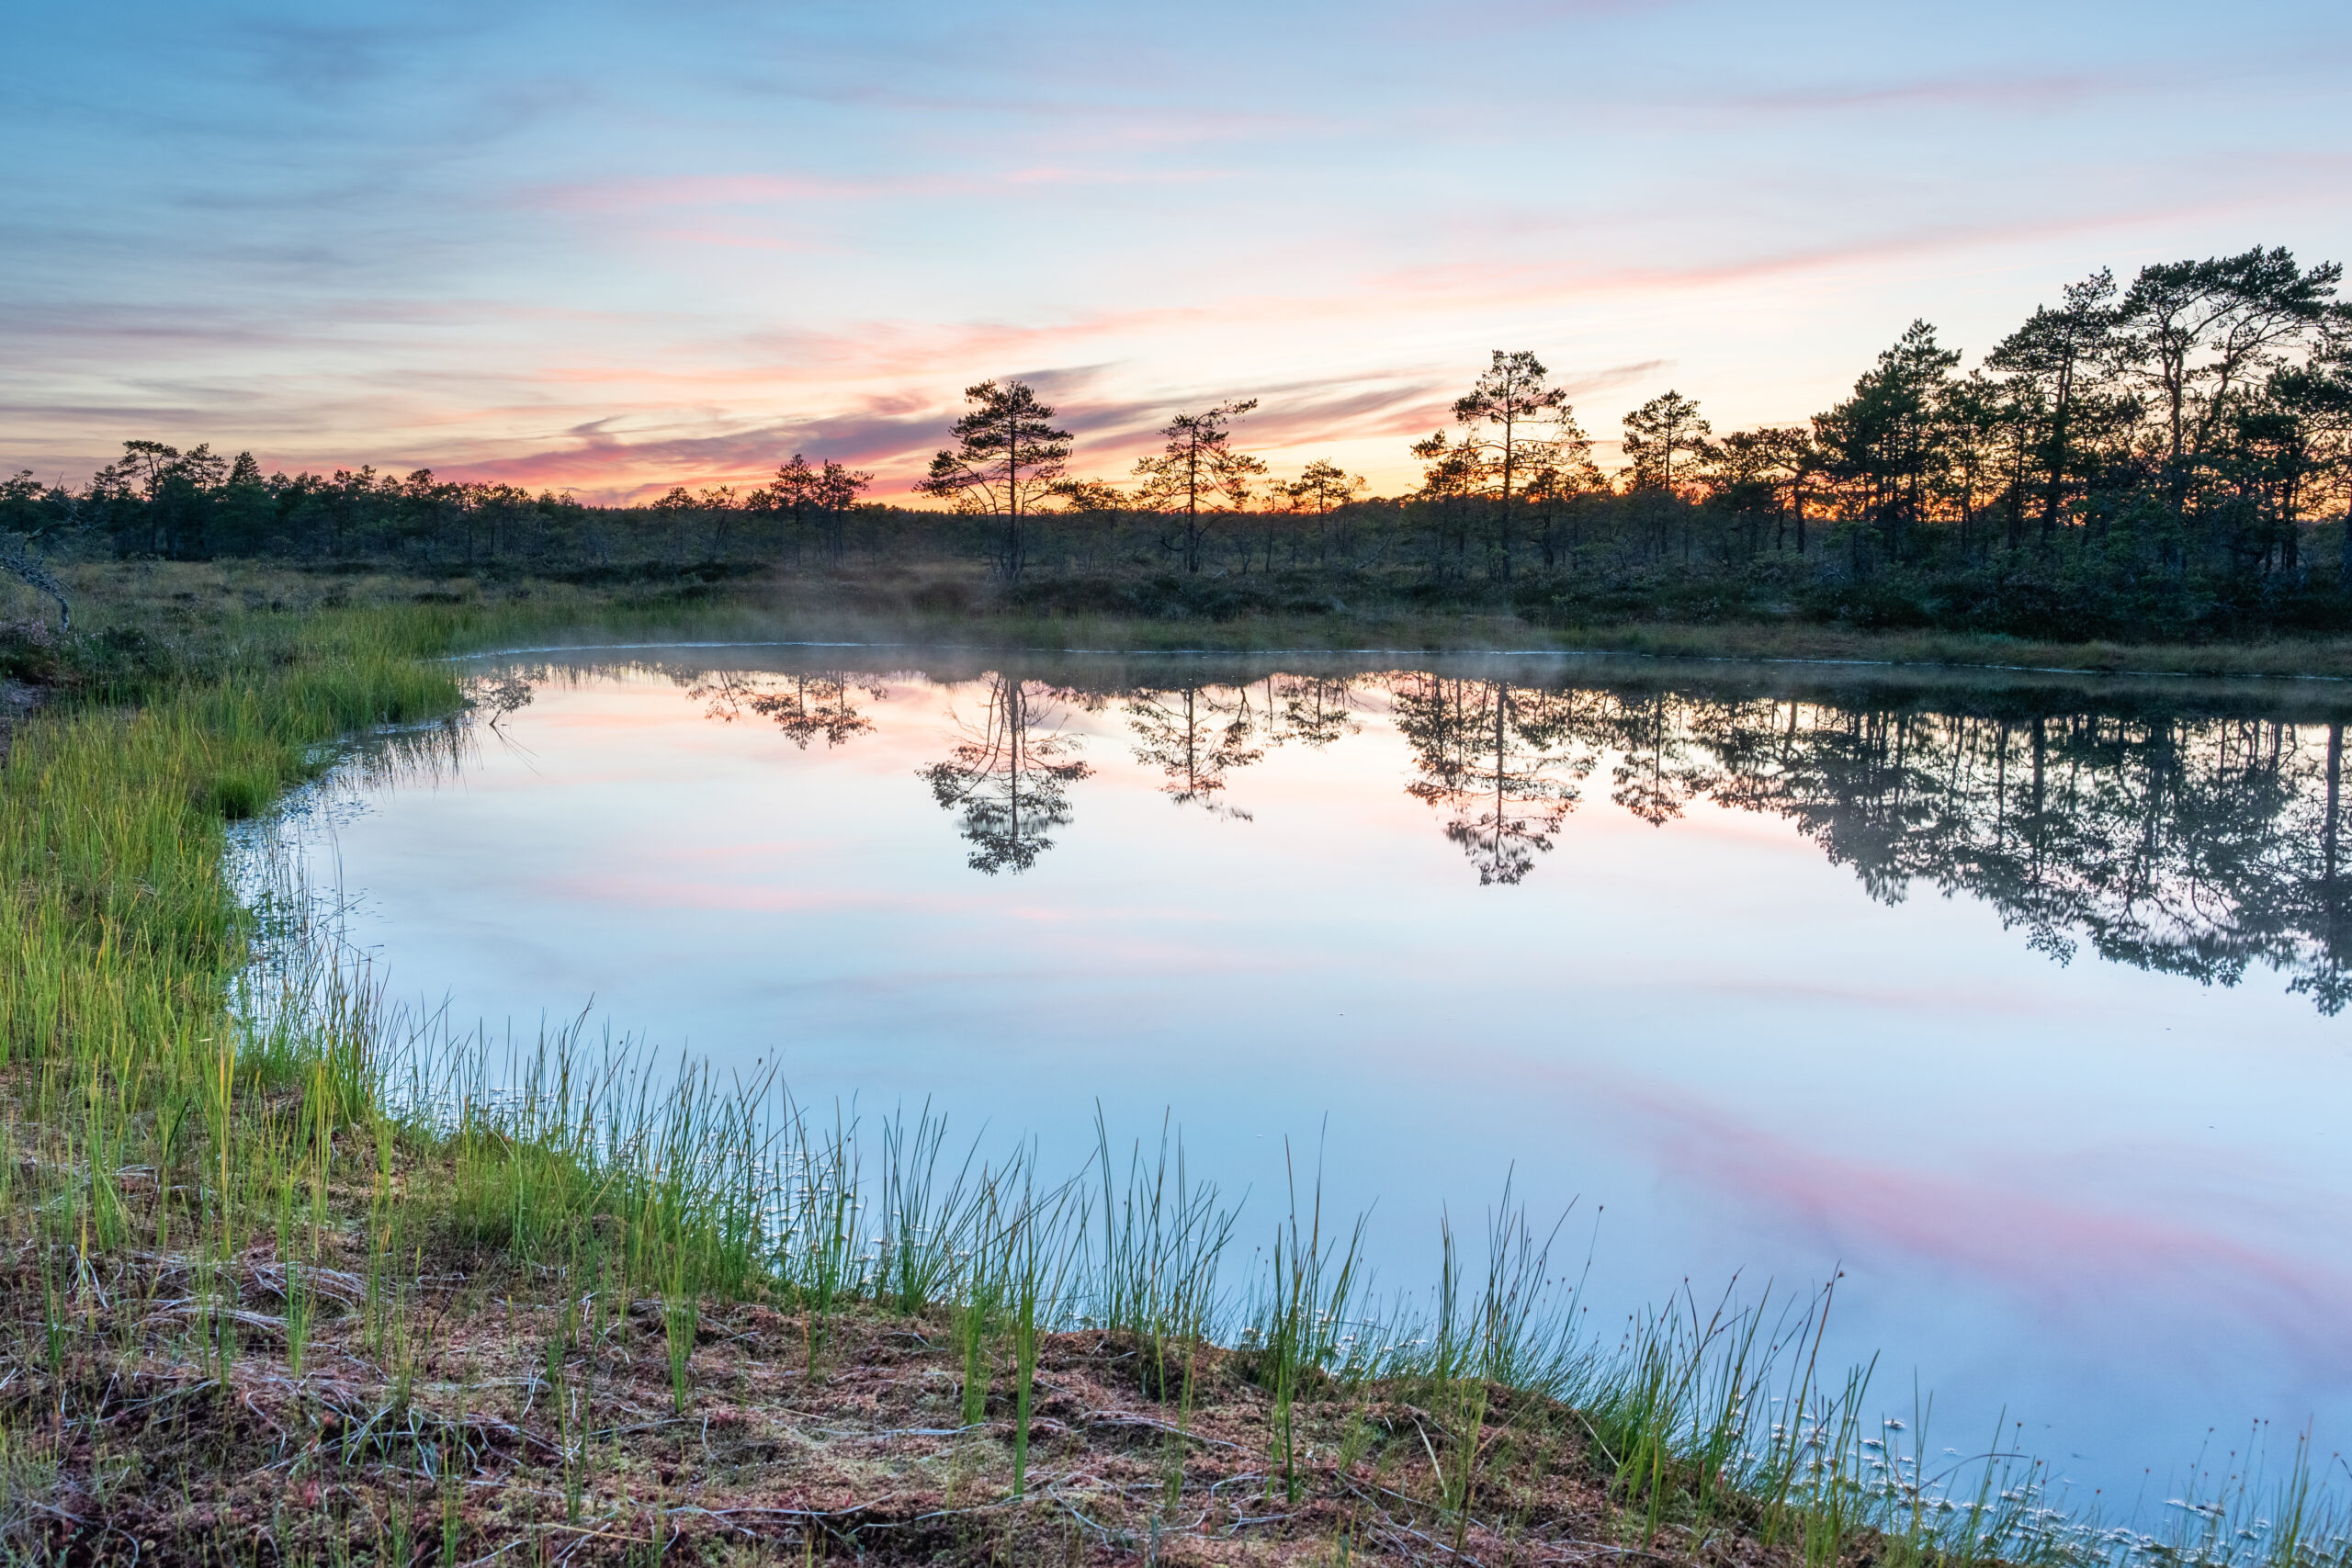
480 1419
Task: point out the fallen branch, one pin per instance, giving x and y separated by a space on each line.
18 561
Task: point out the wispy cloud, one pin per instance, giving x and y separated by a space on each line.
2061 1252
482 241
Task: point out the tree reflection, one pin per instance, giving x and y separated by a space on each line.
2189 845
1007 776
1314 710
2185 846
2323 911
1656 769
1194 736
805 707
1487 755
2193 841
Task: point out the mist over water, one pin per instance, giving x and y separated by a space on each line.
2018 1003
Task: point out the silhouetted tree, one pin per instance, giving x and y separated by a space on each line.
1006 459
1090 495
1516 442
1759 476
1666 440
1320 486
836 492
675 508
2055 359
1198 473
1887 439
802 493
2198 333
789 496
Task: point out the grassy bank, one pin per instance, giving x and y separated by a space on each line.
203 606
290 1279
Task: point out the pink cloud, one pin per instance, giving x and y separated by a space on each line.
2035 1239
894 434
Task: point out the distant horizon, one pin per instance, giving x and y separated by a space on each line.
611 255
897 469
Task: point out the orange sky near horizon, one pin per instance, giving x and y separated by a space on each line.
614 252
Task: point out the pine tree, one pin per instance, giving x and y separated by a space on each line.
1005 461
1198 471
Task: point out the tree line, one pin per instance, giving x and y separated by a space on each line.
2202 843
156 501
2166 456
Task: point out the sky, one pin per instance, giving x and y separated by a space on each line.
608 249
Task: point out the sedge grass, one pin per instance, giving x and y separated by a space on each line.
139 1035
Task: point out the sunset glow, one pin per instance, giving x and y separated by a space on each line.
611 251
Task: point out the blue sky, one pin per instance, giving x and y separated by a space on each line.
612 248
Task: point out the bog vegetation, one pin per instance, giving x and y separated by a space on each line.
290 1277
2161 460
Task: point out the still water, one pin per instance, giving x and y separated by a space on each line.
2016 1004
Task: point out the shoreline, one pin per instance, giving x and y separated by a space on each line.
1211 650
889 607
500 1330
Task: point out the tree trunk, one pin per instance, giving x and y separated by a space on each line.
2330 899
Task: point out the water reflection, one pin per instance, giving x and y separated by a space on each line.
2192 846
1712 992
1194 736
1499 762
1660 763
1007 775
1312 710
2192 843
804 706
2189 847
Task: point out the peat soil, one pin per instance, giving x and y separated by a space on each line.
156 1413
